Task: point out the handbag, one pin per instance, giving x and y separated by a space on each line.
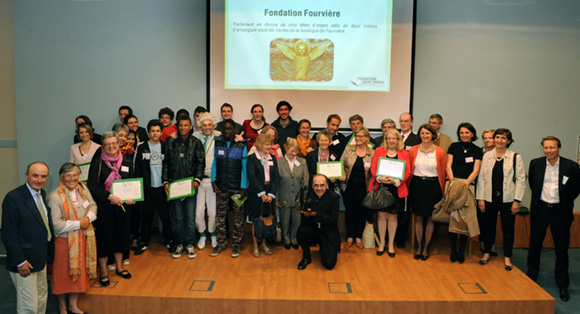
379 199
264 227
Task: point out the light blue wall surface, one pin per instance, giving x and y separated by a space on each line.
494 63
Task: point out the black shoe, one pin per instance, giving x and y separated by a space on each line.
286 246
303 263
104 281
461 258
453 257
170 246
391 255
401 245
493 253
564 295
483 261
142 248
508 267
417 254
379 253
295 246
125 274
425 257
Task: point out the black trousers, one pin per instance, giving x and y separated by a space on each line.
507 225
559 219
307 235
155 199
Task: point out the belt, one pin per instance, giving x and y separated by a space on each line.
266 183
427 178
550 205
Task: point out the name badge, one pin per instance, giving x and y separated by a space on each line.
146 156
489 163
259 131
564 180
221 152
124 169
180 155
332 157
431 155
367 165
408 147
468 160
86 204
335 142
296 163
270 163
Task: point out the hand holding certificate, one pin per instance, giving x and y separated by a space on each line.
128 189
180 189
84 171
331 169
393 168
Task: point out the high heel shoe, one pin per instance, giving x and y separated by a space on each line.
425 257
391 255
508 267
417 254
453 257
379 253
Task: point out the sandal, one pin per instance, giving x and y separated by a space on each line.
104 280
125 274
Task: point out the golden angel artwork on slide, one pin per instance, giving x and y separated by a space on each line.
301 59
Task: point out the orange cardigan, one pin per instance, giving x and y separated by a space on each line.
402 190
441 163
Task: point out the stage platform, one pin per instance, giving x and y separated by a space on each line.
361 282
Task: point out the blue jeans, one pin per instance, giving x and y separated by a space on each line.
183 220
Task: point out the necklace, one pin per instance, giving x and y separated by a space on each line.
465 149
499 158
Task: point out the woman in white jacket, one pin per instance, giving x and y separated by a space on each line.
500 188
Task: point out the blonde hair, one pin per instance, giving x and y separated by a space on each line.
396 134
261 140
292 143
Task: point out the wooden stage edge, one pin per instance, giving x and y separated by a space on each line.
361 282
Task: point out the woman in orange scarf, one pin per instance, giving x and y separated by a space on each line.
72 211
306 143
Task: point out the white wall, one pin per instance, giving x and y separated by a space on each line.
495 63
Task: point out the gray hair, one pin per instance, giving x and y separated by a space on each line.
110 134
66 168
388 120
120 126
206 116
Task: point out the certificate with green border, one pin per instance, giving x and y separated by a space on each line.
181 188
390 167
84 175
128 189
331 169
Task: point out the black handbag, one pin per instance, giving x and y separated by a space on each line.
379 199
264 227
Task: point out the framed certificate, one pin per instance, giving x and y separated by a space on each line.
84 175
331 169
128 189
181 188
393 168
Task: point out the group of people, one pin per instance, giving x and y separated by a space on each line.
268 173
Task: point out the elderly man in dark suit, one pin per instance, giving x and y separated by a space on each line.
320 224
555 183
28 236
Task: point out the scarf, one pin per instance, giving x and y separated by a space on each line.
274 150
264 161
304 145
79 246
114 175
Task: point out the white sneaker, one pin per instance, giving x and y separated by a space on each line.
111 267
191 251
178 251
126 262
214 241
201 242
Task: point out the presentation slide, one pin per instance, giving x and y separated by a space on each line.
323 57
308 45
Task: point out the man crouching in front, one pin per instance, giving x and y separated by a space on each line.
319 224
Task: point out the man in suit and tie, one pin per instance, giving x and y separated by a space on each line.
28 236
555 183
